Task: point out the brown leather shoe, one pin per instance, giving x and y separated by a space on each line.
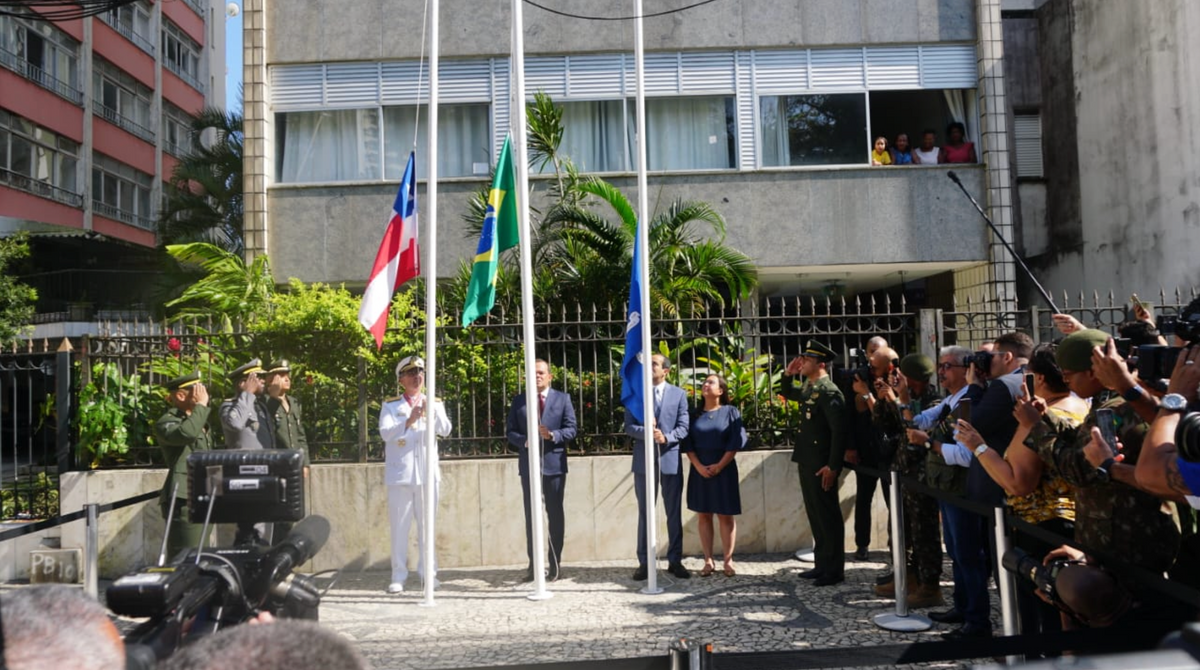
926 595
887 590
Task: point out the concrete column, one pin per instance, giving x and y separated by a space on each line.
994 151
255 126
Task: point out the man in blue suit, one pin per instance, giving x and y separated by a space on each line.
556 426
670 427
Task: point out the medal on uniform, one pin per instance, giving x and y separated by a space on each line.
808 415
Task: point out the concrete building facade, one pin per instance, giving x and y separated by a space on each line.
94 115
1106 106
765 109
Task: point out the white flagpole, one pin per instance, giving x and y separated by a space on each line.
644 242
429 490
533 440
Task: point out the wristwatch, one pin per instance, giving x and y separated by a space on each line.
980 449
1173 402
1104 472
1134 394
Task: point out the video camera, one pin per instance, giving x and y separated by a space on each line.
1156 361
981 361
205 590
859 369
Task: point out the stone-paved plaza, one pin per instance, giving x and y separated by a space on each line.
482 617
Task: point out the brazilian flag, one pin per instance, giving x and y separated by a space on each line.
499 233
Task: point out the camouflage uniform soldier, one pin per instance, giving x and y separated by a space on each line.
182 430
1111 515
923 536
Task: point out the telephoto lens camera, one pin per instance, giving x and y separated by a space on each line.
1043 576
1187 435
1155 361
981 361
206 589
1088 593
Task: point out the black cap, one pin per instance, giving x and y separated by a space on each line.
814 349
182 382
238 374
279 366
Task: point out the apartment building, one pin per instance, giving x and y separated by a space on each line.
94 116
765 108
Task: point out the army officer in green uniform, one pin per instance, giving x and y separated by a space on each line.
284 409
182 430
820 445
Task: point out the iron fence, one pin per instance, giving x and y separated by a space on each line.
35 412
479 371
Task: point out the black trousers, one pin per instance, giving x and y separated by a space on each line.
862 506
825 517
553 489
672 496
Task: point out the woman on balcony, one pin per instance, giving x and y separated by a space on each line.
715 438
902 153
957 149
928 152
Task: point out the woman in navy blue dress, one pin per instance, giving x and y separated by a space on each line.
715 437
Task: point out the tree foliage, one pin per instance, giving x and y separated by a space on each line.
229 288
16 299
204 195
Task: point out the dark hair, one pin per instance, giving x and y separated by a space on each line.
1138 332
956 125
881 137
284 644
929 131
666 362
1042 362
724 398
1016 343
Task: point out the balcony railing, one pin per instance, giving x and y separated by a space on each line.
189 79
173 149
114 117
40 188
141 42
106 210
40 77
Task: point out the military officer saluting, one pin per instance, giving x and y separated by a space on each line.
284 409
244 417
182 430
820 447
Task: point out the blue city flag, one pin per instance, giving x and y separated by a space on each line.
632 392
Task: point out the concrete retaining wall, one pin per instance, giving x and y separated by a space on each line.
479 519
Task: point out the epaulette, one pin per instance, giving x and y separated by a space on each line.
393 398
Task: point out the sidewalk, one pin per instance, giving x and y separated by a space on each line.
482 618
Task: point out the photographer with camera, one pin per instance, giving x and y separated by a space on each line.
872 448
1169 466
894 412
182 430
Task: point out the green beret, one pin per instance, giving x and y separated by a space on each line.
1074 353
182 382
918 367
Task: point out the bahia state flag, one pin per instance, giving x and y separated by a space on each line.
398 258
499 233
632 392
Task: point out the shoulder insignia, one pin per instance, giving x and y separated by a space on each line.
393 398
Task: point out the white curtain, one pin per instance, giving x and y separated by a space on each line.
464 141
594 136
332 145
775 137
963 105
687 134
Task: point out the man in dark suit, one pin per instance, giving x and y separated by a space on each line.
671 423
556 427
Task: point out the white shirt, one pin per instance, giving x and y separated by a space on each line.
954 453
404 447
927 157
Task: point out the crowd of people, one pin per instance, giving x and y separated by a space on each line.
901 151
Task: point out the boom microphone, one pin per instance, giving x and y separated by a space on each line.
996 231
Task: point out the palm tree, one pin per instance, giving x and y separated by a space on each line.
228 288
203 200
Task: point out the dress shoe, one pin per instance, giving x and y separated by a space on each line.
925 595
395 587
968 632
528 575
885 578
810 574
947 616
677 570
639 575
828 580
860 554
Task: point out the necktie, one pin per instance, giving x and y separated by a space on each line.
541 405
657 399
